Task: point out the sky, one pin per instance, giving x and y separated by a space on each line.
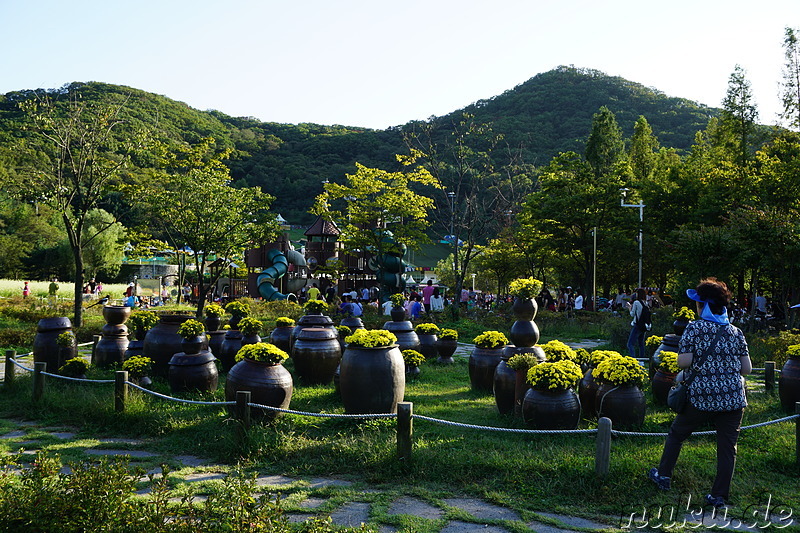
379 63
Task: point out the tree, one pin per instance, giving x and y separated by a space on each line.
643 151
80 158
739 114
791 79
196 207
605 145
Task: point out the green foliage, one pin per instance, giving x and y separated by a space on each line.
413 357
554 375
427 328
525 287
143 319
238 308
793 351
376 338
344 331
316 307
214 310
522 361
191 328
250 326
77 366
137 366
621 370
262 352
490 339
66 339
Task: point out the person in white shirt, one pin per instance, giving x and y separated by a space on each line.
578 300
387 307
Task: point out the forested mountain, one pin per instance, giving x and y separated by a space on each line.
550 113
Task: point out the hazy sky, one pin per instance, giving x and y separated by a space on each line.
378 63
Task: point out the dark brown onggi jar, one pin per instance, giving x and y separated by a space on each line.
45 348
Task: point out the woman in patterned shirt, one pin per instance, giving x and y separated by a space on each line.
718 355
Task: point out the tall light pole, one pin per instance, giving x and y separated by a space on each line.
624 192
451 196
594 270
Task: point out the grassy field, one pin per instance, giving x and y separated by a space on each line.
12 288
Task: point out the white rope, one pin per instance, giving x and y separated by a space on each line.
20 365
165 397
321 415
702 433
78 379
508 430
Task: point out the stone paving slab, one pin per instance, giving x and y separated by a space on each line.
263 481
573 521
321 482
415 507
545 528
351 514
14 434
312 503
204 476
480 509
296 518
64 435
129 442
190 460
456 526
136 454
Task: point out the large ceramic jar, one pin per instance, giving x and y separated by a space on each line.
45 348
281 337
113 344
231 344
587 391
624 404
504 386
316 354
310 321
446 348
193 372
352 322
268 384
212 323
789 384
163 341
668 344
661 384
398 314
372 380
482 364
551 409
524 331
407 338
215 340
428 345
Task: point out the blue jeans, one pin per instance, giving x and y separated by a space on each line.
636 339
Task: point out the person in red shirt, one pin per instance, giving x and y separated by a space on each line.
427 292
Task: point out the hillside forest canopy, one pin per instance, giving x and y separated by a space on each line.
525 180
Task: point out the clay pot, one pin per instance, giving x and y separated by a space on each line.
45 349
504 385
551 409
163 341
268 384
789 384
446 348
625 405
372 380
231 344
661 384
193 372
428 345
316 354
407 338
482 363
281 337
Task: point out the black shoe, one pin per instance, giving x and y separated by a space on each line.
661 482
718 502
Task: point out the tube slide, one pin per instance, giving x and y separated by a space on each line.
266 280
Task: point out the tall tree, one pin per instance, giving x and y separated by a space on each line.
739 115
80 158
605 145
643 152
791 79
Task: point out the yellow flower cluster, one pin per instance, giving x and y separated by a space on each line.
669 362
250 326
316 307
284 321
448 334
621 370
143 319
427 328
413 357
397 299
66 339
598 356
238 308
556 350
214 310
525 287
554 375
490 339
376 338
684 313
191 328
522 361
653 341
137 365
262 352
793 351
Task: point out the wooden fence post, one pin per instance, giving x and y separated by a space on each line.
10 368
797 432
405 430
120 390
242 413
602 457
769 375
95 340
38 380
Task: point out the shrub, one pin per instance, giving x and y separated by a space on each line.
250 326
413 357
344 331
490 339
77 366
144 320
214 310
621 370
653 342
448 334
525 287
684 313
191 328
793 351
668 362
522 361
556 375
238 308
284 322
558 351
316 307
598 356
262 352
582 356
376 338
66 339
427 328
398 299
137 366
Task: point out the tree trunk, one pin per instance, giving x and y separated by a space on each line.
77 254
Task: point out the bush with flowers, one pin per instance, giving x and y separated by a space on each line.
376 338
556 350
793 351
137 366
75 367
238 308
448 335
668 362
143 320
427 328
214 310
525 287
413 358
262 352
684 313
490 339
398 299
191 328
653 342
250 326
557 375
621 370
344 331
284 322
66 339
522 361
316 307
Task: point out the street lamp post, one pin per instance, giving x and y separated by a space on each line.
594 270
624 192
473 282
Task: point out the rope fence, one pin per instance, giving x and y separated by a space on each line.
241 409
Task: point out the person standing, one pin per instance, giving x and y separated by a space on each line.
638 327
427 292
313 292
578 300
718 355
26 290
